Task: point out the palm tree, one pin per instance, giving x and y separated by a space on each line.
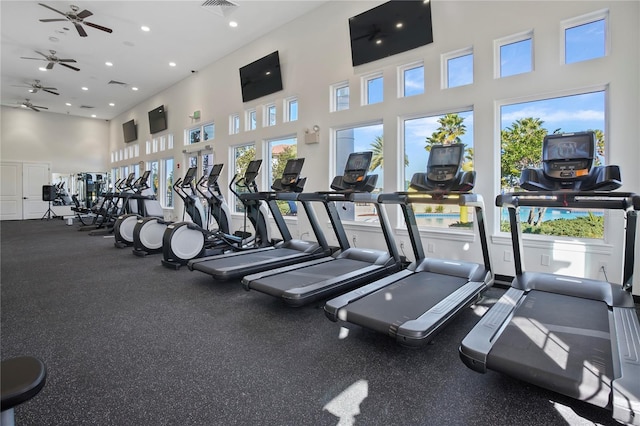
449 132
377 160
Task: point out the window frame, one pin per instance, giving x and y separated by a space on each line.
334 102
512 39
598 15
251 120
364 87
288 104
444 66
402 78
266 116
234 124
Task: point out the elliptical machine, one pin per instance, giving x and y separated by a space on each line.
183 241
148 231
137 203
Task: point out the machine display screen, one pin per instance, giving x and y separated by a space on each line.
214 173
293 166
358 161
445 155
570 146
191 172
254 166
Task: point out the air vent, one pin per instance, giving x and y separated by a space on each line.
220 7
87 106
119 83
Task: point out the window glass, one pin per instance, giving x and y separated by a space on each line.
359 139
168 182
523 128
584 42
270 115
292 110
280 151
341 97
154 177
251 119
234 124
460 70
242 155
413 81
515 58
208 131
420 134
195 135
374 90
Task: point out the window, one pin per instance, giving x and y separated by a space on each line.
167 200
136 150
154 178
372 86
125 171
523 127
113 155
120 155
242 155
269 115
192 161
585 37
250 119
358 139
148 150
280 151
135 168
419 134
291 109
411 79
208 132
234 124
207 163
163 143
457 68
154 144
340 96
514 54
194 135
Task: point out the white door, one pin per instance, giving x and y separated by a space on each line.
21 190
10 191
34 176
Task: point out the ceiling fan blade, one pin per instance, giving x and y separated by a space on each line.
49 91
81 30
84 14
66 60
52 20
50 65
99 27
69 66
48 88
38 106
37 59
50 8
34 108
40 53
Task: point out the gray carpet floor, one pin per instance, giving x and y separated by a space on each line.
129 342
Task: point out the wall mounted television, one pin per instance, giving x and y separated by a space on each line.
391 28
130 131
157 119
261 77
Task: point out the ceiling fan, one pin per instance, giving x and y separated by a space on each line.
28 104
77 18
53 59
35 86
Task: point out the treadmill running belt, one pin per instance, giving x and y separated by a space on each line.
390 307
549 343
224 264
276 285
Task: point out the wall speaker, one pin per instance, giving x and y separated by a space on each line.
48 192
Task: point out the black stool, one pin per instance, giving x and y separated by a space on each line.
22 378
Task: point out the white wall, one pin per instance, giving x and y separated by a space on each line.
71 144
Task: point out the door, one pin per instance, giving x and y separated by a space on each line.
34 176
10 191
21 190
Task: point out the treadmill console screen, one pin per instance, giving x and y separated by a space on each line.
252 171
214 174
357 166
292 171
568 156
188 177
145 176
444 162
130 179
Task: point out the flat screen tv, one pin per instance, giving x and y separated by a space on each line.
129 131
389 29
157 120
261 77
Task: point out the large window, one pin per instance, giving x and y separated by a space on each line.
154 176
167 179
359 139
585 37
280 151
242 155
523 128
420 134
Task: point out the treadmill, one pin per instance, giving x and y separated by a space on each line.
347 268
287 252
412 305
575 336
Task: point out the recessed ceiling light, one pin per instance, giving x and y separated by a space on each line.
145 28
233 24
399 25
93 116
85 88
109 64
54 39
378 41
134 88
42 69
112 104
68 104
172 64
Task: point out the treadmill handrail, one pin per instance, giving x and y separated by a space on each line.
463 199
571 199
